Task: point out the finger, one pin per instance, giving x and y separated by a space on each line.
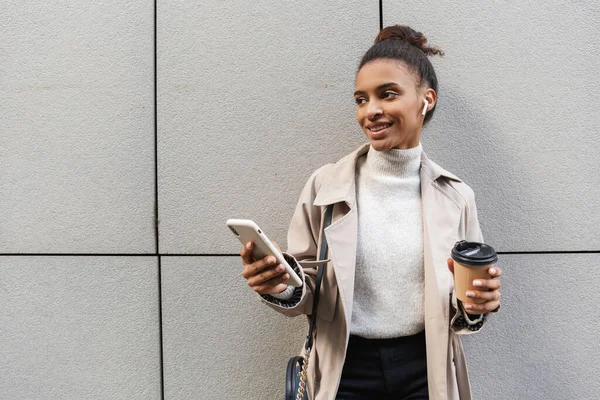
246 253
487 296
277 246
450 265
492 284
266 275
258 266
488 306
495 271
274 285
277 289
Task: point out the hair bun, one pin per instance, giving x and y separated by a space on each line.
407 34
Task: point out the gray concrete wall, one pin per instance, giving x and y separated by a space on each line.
93 308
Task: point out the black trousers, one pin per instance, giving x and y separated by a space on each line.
385 369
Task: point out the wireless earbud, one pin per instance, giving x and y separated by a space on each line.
425 107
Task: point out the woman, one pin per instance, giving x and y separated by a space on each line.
388 319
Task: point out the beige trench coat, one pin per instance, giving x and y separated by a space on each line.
449 215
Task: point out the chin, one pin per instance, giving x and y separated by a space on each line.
380 145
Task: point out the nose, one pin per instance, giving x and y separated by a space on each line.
374 110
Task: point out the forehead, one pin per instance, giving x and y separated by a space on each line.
381 71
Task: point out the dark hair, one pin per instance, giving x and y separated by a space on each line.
402 43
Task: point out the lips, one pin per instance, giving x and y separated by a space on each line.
378 127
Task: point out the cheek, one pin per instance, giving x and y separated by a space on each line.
404 112
398 112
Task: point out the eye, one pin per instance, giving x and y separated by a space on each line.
360 100
389 94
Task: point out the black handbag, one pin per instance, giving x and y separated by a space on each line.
295 378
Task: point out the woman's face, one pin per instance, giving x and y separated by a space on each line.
389 103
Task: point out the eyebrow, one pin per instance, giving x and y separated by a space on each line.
380 87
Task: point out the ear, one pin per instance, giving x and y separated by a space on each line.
431 98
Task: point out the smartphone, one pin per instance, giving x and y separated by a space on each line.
248 231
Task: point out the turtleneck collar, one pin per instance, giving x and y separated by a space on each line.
395 162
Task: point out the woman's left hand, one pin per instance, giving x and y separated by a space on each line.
491 295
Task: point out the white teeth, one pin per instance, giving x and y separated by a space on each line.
379 127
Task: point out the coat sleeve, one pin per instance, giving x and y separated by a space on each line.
463 323
303 239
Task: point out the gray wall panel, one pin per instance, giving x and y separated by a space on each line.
220 341
76 123
251 101
544 342
79 328
517 117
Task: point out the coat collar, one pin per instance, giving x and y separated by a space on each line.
339 183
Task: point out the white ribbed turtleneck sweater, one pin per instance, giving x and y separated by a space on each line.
389 280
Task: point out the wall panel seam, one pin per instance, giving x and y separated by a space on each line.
237 255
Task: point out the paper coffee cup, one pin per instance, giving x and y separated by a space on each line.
471 261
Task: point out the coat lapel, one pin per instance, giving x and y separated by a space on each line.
342 234
441 217
341 238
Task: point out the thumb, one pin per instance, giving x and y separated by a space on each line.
451 265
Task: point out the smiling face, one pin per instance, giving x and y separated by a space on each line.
389 103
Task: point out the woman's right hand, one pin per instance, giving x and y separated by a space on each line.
264 276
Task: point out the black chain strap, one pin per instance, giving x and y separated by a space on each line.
313 314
